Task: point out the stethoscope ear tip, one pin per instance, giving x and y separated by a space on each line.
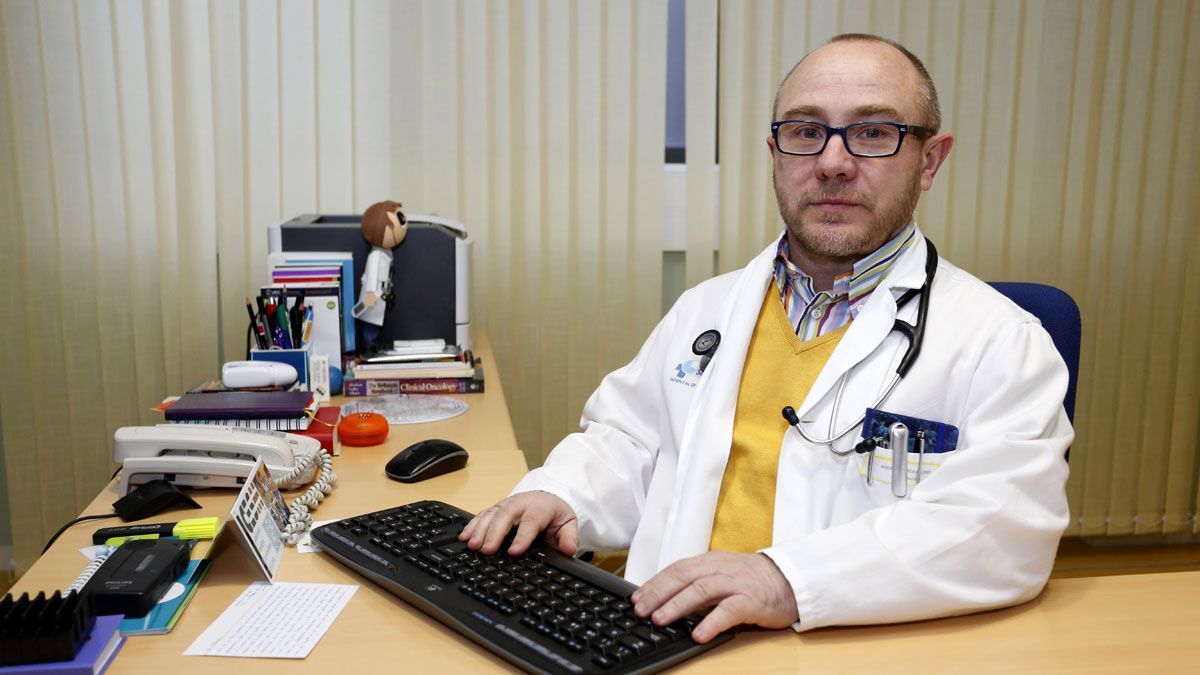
789 414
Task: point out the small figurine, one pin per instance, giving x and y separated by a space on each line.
384 225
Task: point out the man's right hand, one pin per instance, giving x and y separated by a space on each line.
532 513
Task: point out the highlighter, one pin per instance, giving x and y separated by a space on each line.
192 528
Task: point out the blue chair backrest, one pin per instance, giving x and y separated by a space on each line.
1059 316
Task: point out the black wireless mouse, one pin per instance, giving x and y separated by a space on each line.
426 459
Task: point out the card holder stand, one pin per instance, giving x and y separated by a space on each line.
44 629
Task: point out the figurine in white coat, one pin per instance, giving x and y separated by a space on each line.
385 226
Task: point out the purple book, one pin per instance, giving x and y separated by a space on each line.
240 405
93 657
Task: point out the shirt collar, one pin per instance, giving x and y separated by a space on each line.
857 284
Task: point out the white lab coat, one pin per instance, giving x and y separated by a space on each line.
377 279
979 532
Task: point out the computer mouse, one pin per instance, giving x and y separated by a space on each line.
426 459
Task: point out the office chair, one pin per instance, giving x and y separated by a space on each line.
1059 316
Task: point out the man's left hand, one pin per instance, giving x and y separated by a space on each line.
742 588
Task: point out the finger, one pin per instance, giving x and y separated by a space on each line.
479 532
663 586
527 531
705 591
730 612
500 525
567 537
465 534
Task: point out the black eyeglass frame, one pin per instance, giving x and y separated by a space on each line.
921 133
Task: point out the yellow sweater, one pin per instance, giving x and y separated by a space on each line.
779 371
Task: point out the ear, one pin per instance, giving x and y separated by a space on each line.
771 145
933 154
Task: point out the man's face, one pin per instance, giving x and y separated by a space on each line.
838 206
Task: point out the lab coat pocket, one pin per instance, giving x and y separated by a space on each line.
876 469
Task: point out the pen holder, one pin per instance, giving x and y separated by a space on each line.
296 358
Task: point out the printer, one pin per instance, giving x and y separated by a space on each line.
430 271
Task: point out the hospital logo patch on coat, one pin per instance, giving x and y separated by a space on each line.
688 373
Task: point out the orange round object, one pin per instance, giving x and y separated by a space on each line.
361 429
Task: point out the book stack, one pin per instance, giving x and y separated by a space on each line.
276 410
418 368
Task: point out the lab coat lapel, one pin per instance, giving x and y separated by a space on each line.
872 325
704 448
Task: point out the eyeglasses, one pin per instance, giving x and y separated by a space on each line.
862 139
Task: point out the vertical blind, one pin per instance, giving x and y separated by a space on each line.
145 147
1075 165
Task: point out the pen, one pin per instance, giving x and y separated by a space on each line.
308 321
273 322
260 338
282 320
297 316
191 528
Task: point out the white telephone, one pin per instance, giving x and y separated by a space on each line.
194 455
208 456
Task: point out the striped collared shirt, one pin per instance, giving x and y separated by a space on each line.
814 314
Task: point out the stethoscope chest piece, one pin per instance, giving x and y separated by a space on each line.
705 345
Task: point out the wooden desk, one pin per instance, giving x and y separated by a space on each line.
1141 623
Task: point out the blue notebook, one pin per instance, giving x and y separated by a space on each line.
93 657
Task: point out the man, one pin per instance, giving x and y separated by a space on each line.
724 504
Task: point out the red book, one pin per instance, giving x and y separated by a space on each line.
324 429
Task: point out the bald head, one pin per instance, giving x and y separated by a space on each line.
844 46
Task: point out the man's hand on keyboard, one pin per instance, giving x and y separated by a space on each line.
742 588
532 513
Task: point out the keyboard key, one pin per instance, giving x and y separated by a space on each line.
435 557
604 661
675 631
651 636
638 645
620 653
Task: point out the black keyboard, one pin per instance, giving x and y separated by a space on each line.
543 611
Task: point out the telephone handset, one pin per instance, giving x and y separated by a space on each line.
194 455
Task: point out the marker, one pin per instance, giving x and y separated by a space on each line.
192 528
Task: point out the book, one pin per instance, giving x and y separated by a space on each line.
327 334
317 258
429 371
447 355
278 410
378 386
324 429
93 657
239 405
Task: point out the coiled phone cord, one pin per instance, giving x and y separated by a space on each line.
299 519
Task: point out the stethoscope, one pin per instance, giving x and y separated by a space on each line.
707 342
